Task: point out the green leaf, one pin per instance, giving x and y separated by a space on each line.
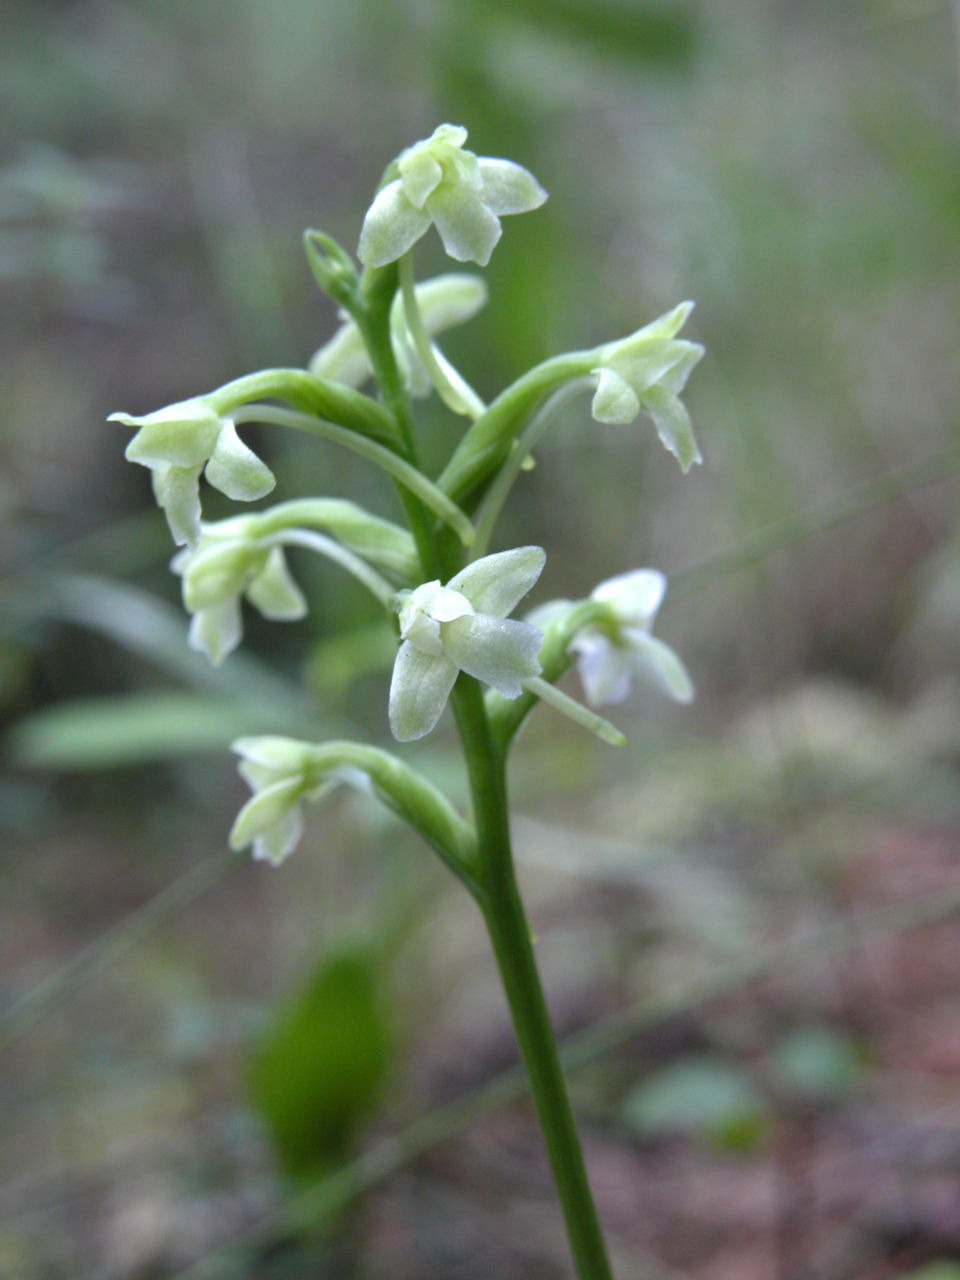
315 1076
817 1062
704 1096
131 729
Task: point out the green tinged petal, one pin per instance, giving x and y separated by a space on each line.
508 187
498 651
181 435
614 399
177 491
391 227
236 470
673 425
274 592
217 631
658 662
215 573
419 690
496 584
420 172
468 229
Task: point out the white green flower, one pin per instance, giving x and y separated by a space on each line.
440 183
444 302
616 648
645 373
229 562
178 443
463 626
281 773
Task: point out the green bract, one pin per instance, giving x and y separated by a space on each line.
179 442
616 647
645 373
464 195
463 627
444 302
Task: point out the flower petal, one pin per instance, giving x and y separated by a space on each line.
419 690
391 226
447 300
603 668
236 470
468 229
614 399
264 810
181 435
635 596
496 584
343 359
177 491
420 174
673 425
280 840
215 573
216 631
508 187
273 751
498 651
657 662
274 592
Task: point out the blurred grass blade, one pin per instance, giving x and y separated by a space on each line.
128 729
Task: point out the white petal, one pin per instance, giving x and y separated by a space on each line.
236 470
271 752
498 651
274 592
604 670
216 631
279 841
343 359
447 300
420 173
391 226
215 572
264 810
673 426
614 399
181 435
658 662
496 584
468 229
419 690
177 490
508 187
635 596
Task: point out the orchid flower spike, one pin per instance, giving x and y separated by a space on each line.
444 302
227 563
177 443
617 646
463 626
463 194
645 373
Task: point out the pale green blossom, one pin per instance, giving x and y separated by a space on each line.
439 182
181 441
617 647
646 373
228 563
463 626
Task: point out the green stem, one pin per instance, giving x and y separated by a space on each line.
342 556
405 475
509 933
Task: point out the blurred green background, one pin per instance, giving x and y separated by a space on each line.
748 917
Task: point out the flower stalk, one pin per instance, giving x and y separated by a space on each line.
446 596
